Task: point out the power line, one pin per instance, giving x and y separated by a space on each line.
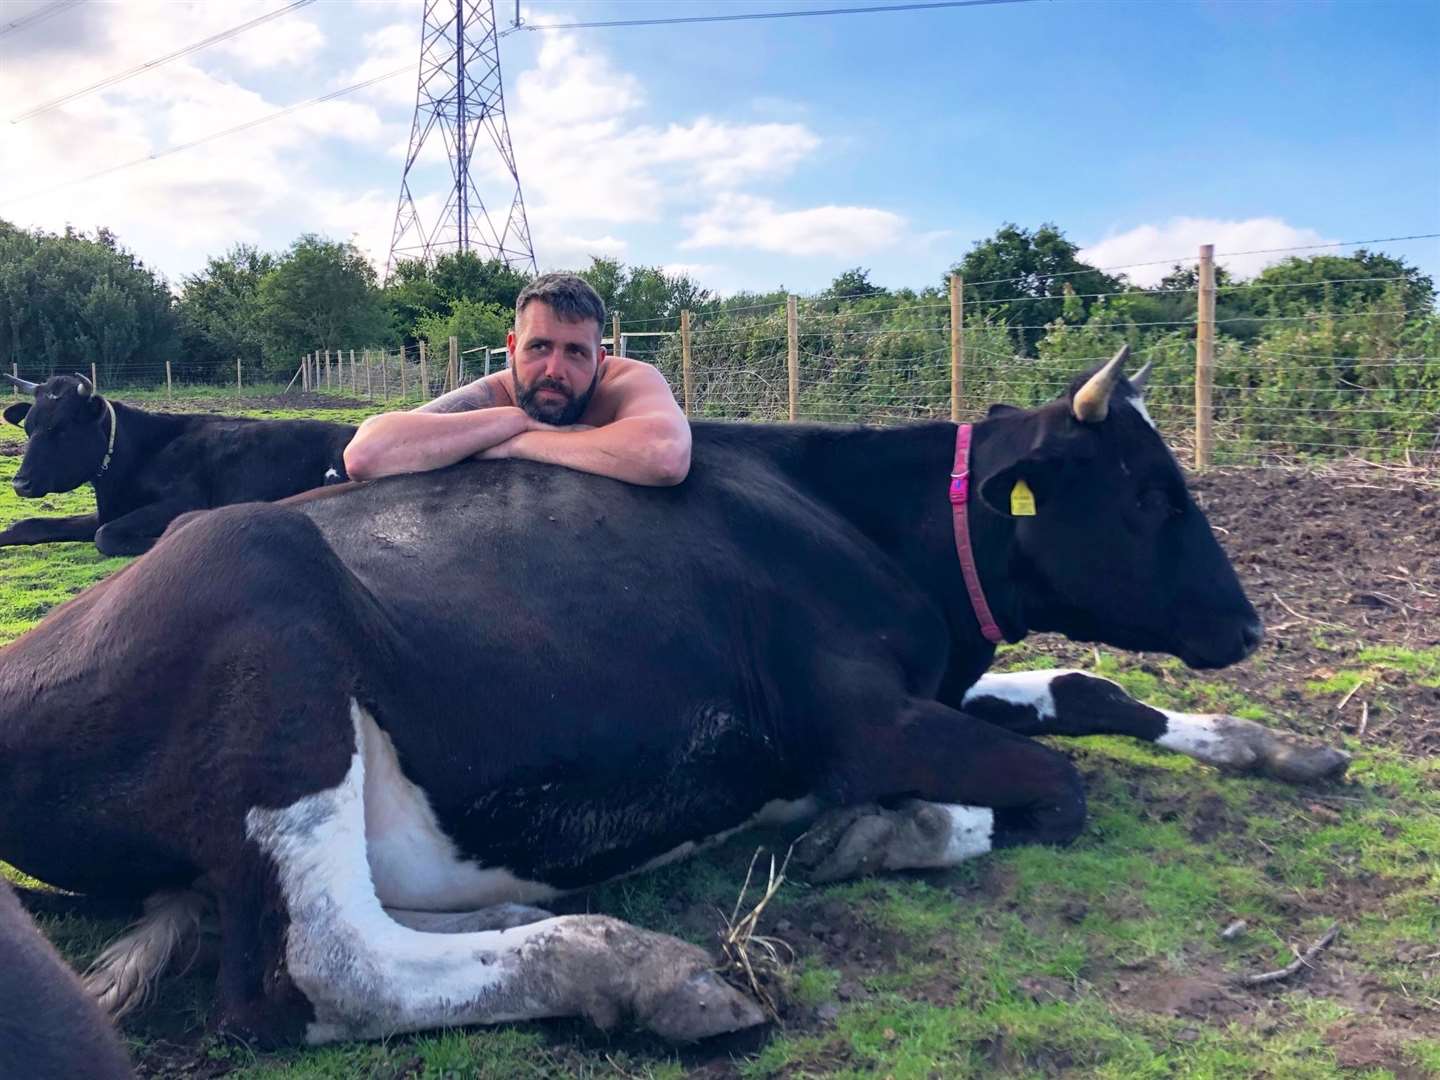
150 64
37 16
872 10
215 135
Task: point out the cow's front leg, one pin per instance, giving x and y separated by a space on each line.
366 976
50 530
136 532
994 788
1076 703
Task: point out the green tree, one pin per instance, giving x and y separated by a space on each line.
474 322
70 300
606 277
321 295
1018 277
463 275
219 313
1355 281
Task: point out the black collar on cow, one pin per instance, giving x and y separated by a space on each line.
110 449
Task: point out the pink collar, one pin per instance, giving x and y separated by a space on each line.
959 496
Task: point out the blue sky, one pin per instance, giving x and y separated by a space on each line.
761 153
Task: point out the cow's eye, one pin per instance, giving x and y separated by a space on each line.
1155 501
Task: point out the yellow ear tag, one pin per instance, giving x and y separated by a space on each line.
1022 500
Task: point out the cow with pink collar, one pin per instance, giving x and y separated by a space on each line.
377 727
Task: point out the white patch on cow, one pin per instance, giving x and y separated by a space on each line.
1138 404
1213 739
331 474
366 975
413 863
1028 689
972 832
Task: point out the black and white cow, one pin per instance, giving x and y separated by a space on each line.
50 1028
148 468
358 716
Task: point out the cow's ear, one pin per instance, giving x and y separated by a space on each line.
1021 489
1002 410
17 412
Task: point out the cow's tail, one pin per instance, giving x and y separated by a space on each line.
124 975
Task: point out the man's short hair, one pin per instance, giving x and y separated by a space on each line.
568 295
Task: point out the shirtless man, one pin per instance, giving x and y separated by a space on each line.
562 400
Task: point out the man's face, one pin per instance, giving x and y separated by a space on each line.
556 363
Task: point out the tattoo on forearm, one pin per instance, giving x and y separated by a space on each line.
475 396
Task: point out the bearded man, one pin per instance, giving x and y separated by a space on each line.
560 400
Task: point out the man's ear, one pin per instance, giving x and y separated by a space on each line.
16 413
1002 410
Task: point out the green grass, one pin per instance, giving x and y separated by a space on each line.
1026 963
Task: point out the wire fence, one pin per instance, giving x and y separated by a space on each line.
1320 392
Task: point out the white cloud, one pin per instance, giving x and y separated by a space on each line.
282 42
1179 240
840 232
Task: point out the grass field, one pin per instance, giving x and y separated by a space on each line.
1104 959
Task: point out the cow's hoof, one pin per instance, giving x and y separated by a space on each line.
1236 745
700 1007
850 842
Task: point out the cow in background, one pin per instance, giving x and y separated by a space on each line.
50 1028
149 468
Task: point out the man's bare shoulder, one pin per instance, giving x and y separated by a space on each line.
483 393
633 386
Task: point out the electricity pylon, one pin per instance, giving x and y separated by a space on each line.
460 101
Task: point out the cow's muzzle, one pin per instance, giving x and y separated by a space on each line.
23 488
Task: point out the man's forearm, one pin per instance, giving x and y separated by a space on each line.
418 442
628 450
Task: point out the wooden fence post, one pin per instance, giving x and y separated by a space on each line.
354 376
452 369
685 371
401 358
615 333
957 343
94 377
1205 358
237 378
424 373
369 378
169 386
15 370
792 349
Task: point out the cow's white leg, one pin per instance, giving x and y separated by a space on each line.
366 976
499 917
858 840
1067 702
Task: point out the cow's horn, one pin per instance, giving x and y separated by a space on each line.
1091 403
1141 377
28 387
86 386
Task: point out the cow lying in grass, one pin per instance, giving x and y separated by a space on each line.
50 1028
148 468
376 722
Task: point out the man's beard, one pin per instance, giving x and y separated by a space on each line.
559 414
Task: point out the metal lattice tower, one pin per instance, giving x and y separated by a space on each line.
460 100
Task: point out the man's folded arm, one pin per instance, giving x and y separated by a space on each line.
459 425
